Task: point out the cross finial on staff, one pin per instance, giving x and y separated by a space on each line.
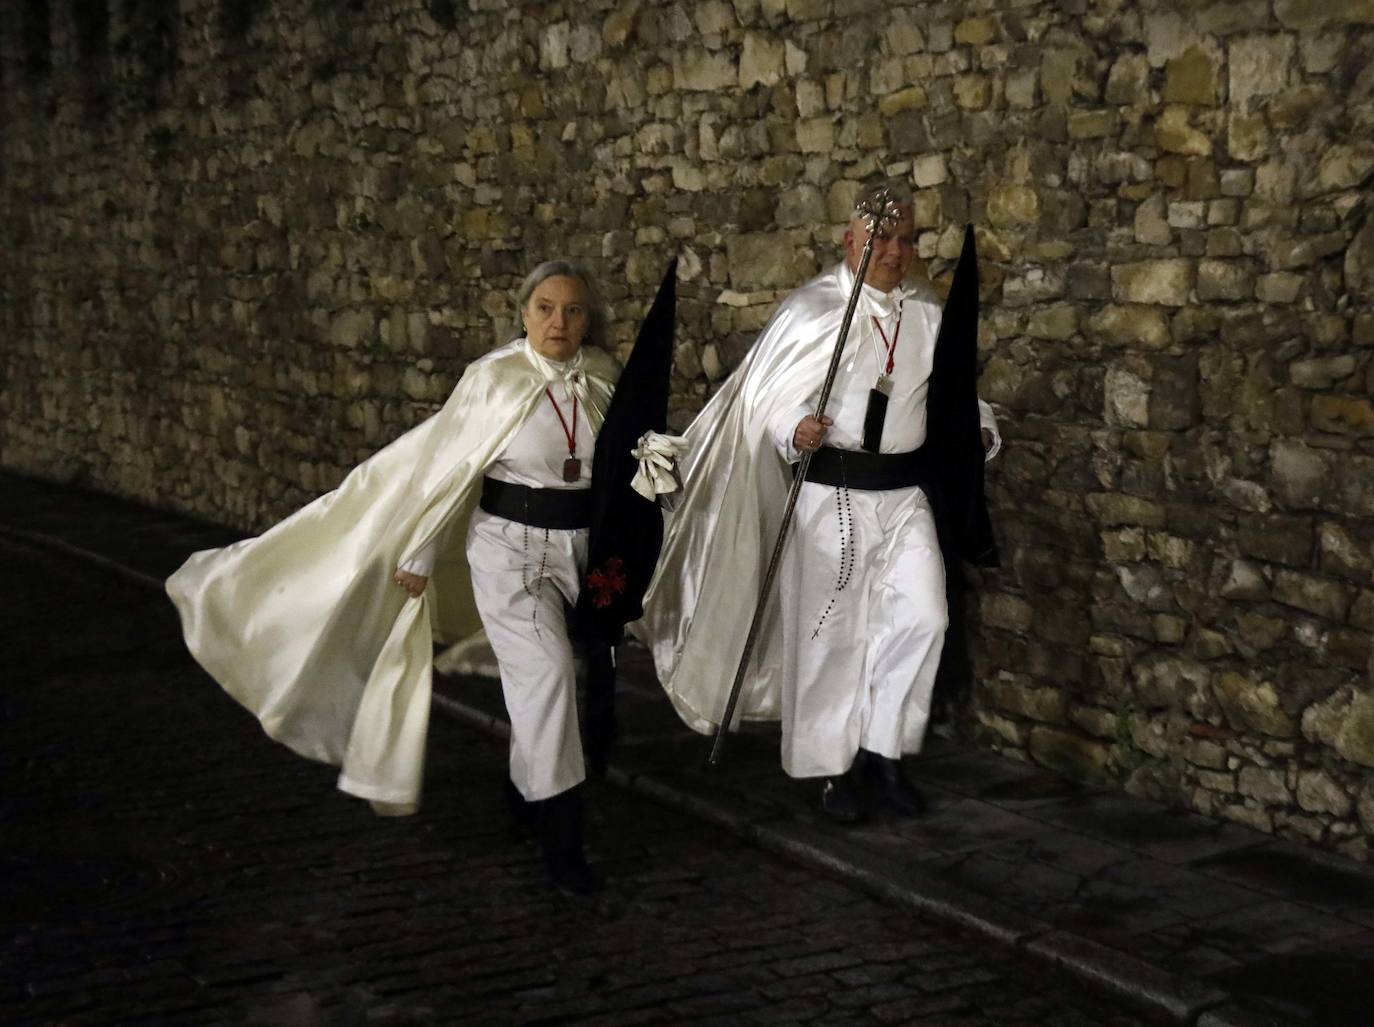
880 211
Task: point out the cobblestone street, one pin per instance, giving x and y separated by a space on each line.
164 862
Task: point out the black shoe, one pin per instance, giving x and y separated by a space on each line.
574 877
897 792
839 800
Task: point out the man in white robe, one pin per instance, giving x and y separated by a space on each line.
848 654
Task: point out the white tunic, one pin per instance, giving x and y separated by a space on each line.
524 579
862 584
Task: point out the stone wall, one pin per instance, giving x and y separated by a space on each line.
250 241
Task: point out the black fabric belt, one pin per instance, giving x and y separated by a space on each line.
873 472
539 508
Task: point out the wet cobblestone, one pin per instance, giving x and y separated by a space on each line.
165 863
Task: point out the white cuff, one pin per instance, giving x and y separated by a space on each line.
422 563
657 455
783 430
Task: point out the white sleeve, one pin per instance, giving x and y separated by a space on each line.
988 421
422 563
783 427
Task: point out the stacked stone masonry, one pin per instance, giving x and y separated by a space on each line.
248 242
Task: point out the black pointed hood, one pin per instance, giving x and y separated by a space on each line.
954 437
627 529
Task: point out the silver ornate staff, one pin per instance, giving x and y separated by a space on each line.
880 213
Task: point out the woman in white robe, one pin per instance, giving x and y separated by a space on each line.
324 625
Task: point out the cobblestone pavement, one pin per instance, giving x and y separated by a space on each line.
163 862
1198 920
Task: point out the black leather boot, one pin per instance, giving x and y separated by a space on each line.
840 800
896 791
560 836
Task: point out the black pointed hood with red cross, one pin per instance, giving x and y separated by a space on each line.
627 529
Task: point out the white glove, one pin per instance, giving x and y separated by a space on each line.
657 455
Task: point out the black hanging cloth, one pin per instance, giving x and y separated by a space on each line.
626 529
954 442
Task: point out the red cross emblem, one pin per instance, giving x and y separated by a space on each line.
608 583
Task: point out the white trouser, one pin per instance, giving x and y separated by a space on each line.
864 615
522 579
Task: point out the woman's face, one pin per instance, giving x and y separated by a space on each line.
557 317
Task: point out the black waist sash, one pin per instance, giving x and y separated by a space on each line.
873 472
539 508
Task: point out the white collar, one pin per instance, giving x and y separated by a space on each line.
884 304
555 370
873 301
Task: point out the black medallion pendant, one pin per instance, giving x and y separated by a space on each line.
874 417
572 469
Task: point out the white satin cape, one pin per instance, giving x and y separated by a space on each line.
719 538
304 626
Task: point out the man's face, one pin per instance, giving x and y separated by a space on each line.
557 317
892 253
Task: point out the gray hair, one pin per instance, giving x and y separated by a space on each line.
596 332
